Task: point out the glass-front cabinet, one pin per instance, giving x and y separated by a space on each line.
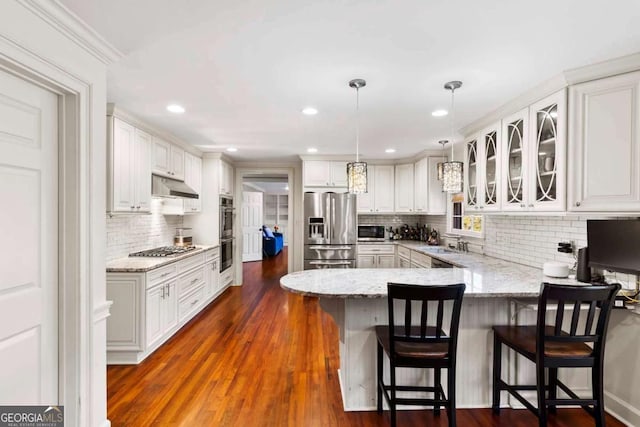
533 159
482 165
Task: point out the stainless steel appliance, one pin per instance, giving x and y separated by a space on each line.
164 251
168 187
330 230
370 233
226 232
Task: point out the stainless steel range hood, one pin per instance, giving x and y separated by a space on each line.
168 187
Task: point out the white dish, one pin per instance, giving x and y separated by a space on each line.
555 269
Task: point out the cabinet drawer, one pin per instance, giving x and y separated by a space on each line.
404 252
191 262
189 281
226 277
159 275
190 302
211 254
420 259
376 249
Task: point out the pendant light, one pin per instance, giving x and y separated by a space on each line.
442 142
357 171
452 170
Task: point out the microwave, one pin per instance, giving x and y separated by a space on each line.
370 233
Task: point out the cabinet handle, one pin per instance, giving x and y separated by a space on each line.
194 303
577 203
522 205
194 280
410 210
163 289
137 207
531 205
133 207
165 274
168 290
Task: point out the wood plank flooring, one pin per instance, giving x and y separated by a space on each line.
260 356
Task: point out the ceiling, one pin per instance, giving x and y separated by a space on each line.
244 69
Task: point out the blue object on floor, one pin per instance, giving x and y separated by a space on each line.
272 243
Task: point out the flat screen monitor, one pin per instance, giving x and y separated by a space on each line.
614 245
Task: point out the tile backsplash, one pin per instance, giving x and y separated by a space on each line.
435 221
132 233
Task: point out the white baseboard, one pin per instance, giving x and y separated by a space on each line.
106 423
621 409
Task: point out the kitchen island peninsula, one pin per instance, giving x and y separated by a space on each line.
498 292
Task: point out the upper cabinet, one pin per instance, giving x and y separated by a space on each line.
483 170
380 195
437 198
604 144
325 173
168 159
129 168
226 178
193 178
404 188
421 185
519 164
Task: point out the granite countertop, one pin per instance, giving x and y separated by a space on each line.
483 275
144 264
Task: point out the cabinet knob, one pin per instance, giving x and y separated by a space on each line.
531 205
137 207
522 205
577 203
133 207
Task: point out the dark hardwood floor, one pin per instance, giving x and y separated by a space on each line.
260 356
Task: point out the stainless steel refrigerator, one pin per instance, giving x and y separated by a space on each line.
330 230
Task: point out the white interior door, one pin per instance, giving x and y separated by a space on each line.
29 222
252 219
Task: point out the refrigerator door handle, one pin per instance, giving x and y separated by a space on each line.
333 219
329 248
330 262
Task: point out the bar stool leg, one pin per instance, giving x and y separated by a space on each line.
497 366
380 377
542 404
598 395
451 398
436 384
392 403
553 387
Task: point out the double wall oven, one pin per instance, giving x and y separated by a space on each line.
226 232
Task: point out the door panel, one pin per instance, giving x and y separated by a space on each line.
29 279
252 221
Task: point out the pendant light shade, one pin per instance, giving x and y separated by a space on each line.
357 171
452 171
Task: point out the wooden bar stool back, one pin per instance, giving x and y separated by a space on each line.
580 344
421 343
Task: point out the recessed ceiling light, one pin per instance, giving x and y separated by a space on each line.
232 149
390 150
175 108
310 111
439 113
312 150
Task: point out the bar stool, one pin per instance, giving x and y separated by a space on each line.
420 344
550 347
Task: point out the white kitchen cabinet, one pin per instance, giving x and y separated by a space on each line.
380 183
604 145
325 173
421 185
193 178
168 159
437 203
226 178
162 312
129 168
515 155
404 188
376 256
483 170
420 260
148 308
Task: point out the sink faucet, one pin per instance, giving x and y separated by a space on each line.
462 246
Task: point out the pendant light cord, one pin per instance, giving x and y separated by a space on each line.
357 124
453 115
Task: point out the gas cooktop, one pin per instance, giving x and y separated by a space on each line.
163 251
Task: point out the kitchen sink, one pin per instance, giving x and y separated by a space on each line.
436 250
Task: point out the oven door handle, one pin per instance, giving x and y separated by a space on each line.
227 239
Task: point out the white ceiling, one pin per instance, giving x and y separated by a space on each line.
245 69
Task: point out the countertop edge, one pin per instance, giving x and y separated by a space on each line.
162 262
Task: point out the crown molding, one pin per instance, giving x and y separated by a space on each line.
75 29
612 67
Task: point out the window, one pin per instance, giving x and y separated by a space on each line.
459 223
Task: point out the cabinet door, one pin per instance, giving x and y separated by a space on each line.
226 178
472 178
177 162
604 145
193 178
211 278
421 185
490 166
338 173
161 158
365 201
366 261
386 261
142 171
317 173
515 131
123 190
404 182
170 308
437 197
547 121
154 315
384 188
